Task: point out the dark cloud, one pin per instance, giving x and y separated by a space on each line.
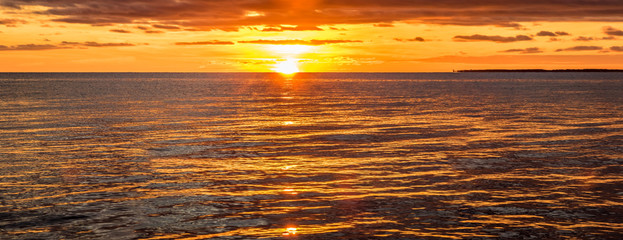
546 34
584 39
613 31
230 15
581 48
416 39
12 22
282 28
213 42
62 45
312 42
120 31
551 34
499 39
96 44
29 47
524 50
509 24
617 48
384 25
168 27
581 61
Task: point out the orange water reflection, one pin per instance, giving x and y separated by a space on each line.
313 158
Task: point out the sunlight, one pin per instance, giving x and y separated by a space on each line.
289 66
291 55
290 49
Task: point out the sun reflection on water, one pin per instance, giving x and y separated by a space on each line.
317 158
289 232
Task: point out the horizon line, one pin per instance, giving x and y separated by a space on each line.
302 72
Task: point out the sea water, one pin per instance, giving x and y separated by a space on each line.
311 156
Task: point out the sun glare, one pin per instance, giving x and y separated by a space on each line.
289 66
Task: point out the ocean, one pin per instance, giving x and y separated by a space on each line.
311 156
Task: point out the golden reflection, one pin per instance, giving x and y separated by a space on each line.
289 231
288 167
286 123
290 191
337 168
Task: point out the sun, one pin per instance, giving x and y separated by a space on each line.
289 66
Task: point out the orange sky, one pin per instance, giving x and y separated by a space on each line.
341 35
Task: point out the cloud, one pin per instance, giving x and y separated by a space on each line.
29 47
153 31
584 39
581 48
256 61
213 42
535 60
312 42
96 44
282 28
416 39
168 27
12 22
62 45
499 39
384 25
612 31
551 34
509 24
524 50
120 31
546 34
231 15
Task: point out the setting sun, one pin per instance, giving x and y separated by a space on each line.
289 66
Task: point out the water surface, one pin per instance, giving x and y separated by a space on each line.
317 156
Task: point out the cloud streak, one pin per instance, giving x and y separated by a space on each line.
524 50
231 15
291 28
96 44
29 47
612 31
552 34
312 42
498 39
416 39
581 48
12 22
62 45
213 42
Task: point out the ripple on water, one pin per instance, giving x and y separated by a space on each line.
253 157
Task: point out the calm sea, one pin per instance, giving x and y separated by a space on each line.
313 156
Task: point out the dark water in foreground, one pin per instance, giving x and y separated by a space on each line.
320 156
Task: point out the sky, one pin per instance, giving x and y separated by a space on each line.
312 35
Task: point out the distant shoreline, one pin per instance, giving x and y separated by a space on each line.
541 70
